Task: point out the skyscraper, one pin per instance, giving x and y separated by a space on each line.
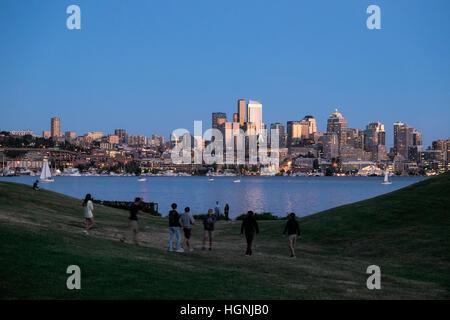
281 133
407 141
338 125
312 125
55 127
218 118
241 111
254 114
296 131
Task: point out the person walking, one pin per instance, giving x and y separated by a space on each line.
217 210
293 230
249 227
186 222
88 215
135 209
174 228
208 224
226 211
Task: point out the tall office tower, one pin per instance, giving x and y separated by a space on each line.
254 114
296 131
241 111
218 118
281 133
355 138
337 124
407 141
55 127
330 145
397 126
374 135
235 117
120 133
312 125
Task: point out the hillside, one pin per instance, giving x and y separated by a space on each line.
406 233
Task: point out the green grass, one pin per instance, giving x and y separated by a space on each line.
406 233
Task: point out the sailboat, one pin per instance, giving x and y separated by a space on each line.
46 176
142 179
386 178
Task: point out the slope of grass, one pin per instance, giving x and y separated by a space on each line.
406 233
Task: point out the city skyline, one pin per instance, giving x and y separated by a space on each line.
152 75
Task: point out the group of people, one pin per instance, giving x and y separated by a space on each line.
185 221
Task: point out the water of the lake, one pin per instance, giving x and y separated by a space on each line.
279 195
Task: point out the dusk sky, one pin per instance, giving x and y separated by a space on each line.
155 66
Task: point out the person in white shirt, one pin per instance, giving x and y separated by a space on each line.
88 208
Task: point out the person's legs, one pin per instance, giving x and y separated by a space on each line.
249 236
172 232
210 235
177 233
292 244
91 223
134 230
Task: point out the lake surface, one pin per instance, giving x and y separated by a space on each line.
278 195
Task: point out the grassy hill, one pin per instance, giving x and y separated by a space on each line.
406 233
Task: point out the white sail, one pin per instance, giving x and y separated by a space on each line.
386 176
46 175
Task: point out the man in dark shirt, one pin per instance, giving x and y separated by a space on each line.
174 228
35 185
135 209
250 227
293 230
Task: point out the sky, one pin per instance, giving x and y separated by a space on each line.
151 67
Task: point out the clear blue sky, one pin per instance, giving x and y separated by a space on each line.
154 66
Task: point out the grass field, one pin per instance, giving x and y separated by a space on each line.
406 233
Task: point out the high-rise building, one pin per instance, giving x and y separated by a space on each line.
278 127
337 124
312 125
46 134
254 114
407 141
235 117
355 138
296 131
218 118
241 111
374 135
330 145
55 127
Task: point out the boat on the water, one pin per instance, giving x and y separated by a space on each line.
142 179
386 178
46 176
